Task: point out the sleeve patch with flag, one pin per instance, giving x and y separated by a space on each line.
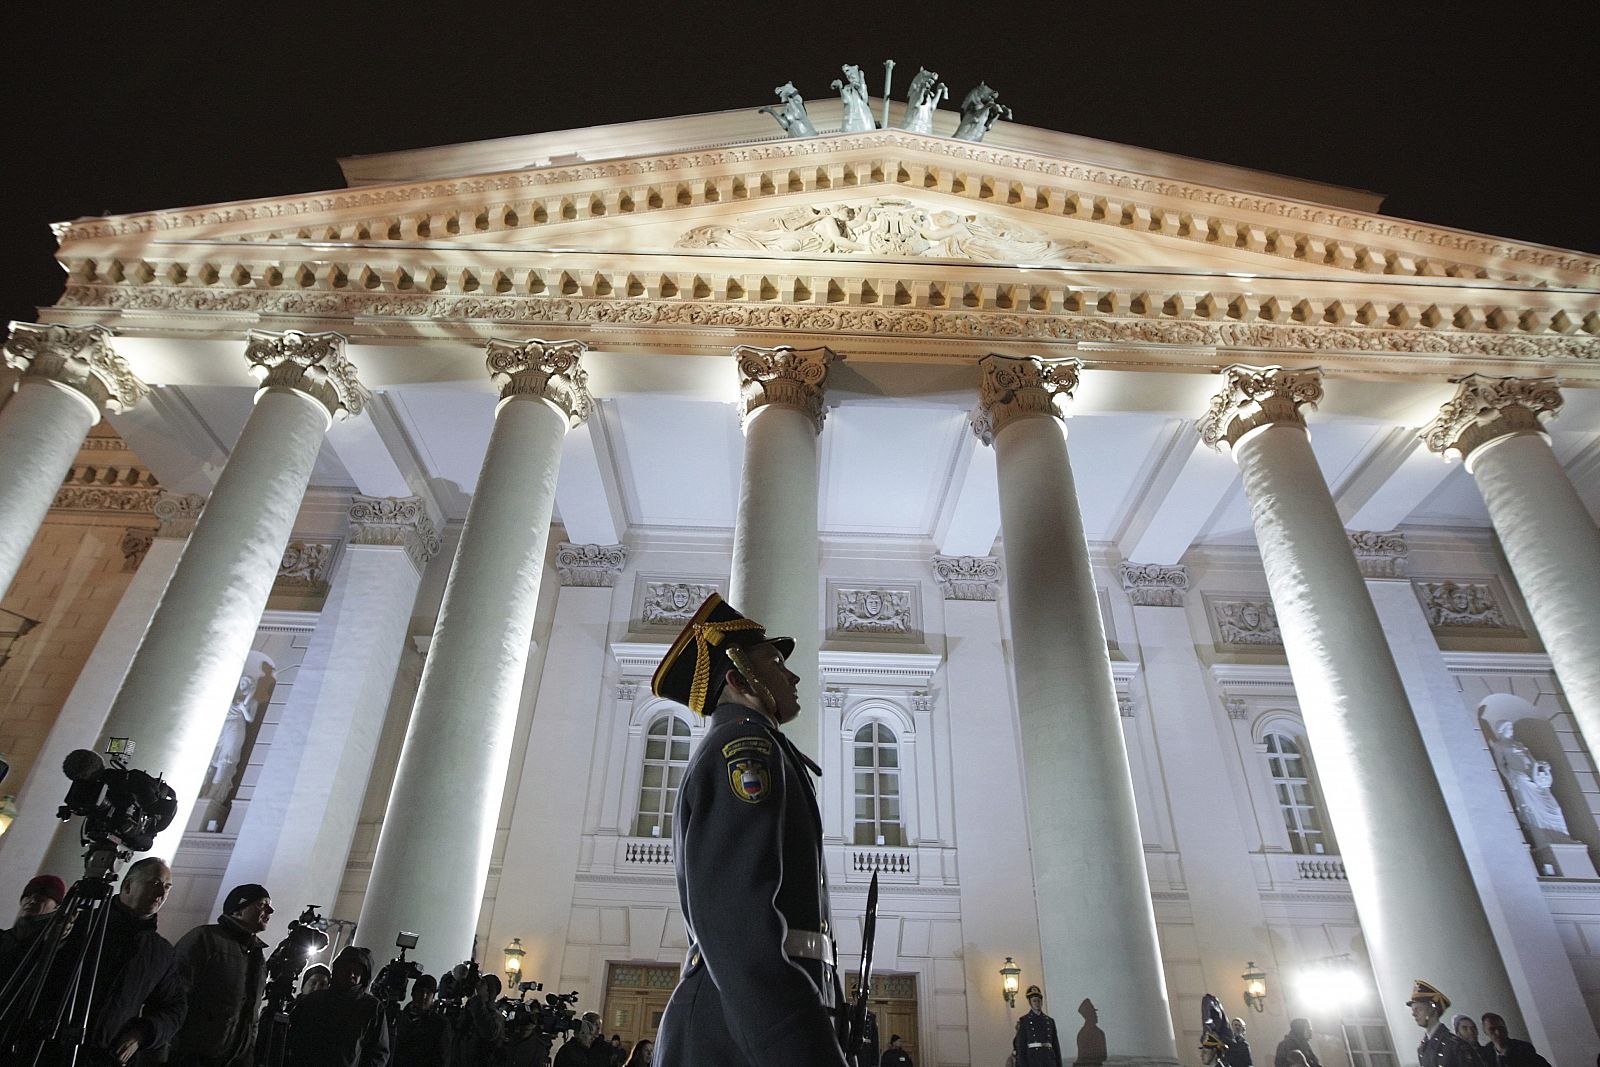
749 769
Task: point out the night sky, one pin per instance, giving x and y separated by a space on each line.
1481 117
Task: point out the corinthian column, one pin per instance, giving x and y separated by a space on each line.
178 687
1097 929
1415 896
775 541
1549 537
433 852
70 376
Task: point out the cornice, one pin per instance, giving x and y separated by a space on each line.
1116 318
890 157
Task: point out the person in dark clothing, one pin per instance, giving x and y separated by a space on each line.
1238 1054
480 1028
1036 1042
895 1055
584 1048
341 1026
758 987
1507 1050
421 1034
640 1056
1473 1053
223 964
40 899
1298 1039
619 1051
139 997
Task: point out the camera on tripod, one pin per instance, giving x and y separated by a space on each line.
399 972
557 1015
119 807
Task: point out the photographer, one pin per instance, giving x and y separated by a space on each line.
421 1034
138 994
480 1028
585 1049
341 1026
223 965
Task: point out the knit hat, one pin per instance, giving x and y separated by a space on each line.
240 895
49 885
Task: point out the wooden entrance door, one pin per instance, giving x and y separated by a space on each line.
636 998
894 1002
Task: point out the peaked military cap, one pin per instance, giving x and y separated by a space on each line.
693 669
1421 990
1033 991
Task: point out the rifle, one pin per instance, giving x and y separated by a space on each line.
856 1023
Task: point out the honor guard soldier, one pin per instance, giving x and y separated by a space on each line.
1036 1043
758 987
1439 1047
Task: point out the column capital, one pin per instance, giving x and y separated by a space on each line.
551 371
1154 585
78 357
968 577
782 377
1015 387
1252 397
177 513
1379 555
311 364
400 521
590 565
1485 409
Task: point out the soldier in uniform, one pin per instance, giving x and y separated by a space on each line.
1439 1047
1036 1043
758 987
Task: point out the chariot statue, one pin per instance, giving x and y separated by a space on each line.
922 98
790 111
980 110
853 91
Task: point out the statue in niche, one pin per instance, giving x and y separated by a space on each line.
853 91
1529 780
790 111
238 736
922 99
980 109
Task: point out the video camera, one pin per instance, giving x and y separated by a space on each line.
556 1016
457 985
398 973
119 807
305 939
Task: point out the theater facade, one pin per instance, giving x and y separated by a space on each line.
1194 572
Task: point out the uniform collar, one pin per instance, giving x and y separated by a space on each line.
729 712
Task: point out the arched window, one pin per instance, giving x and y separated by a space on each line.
1289 766
877 770
666 755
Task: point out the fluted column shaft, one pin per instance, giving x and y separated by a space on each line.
69 376
1419 909
1096 923
178 687
1549 538
776 550
438 831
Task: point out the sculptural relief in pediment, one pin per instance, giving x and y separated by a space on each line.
890 226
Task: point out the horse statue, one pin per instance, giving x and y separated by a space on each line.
790 111
921 99
979 111
853 91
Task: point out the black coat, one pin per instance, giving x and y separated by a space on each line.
223 966
1036 1042
747 838
338 1028
1441 1048
1518 1054
138 983
421 1039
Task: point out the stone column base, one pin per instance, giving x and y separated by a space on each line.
1567 860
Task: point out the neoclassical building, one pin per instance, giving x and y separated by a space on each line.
1194 572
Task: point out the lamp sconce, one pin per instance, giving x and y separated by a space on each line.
1255 987
8 812
1008 981
514 953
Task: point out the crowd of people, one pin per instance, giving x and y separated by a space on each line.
199 1003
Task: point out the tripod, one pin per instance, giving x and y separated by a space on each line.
67 950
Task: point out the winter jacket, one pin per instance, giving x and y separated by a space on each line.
223 965
339 1027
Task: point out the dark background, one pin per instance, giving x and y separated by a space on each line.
1481 117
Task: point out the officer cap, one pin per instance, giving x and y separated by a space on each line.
693 669
1034 991
1424 991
